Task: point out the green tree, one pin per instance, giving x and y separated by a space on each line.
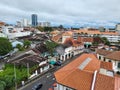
95 43
2 85
61 27
7 79
26 43
40 28
5 46
48 29
20 47
51 46
105 41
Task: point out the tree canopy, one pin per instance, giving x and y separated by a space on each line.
61 27
5 46
26 43
105 41
45 29
51 46
7 78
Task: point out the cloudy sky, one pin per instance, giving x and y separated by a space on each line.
66 12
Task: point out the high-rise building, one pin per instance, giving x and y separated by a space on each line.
34 20
19 24
25 22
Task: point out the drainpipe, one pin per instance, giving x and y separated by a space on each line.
94 79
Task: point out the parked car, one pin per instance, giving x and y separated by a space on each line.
38 86
60 61
57 64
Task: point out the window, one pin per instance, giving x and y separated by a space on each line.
119 65
67 88
110 61
100 57
104 59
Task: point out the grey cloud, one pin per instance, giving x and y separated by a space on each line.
62 11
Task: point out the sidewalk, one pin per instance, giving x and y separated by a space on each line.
34 78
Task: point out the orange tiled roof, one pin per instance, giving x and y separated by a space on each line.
114 56
110 33
106 65
73 77
103 52
95 32
72 42
85 39
67 33
104 82
117 83
55 32
77 79
88 31
57 37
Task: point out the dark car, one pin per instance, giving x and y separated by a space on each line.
57 64
38 86
60 61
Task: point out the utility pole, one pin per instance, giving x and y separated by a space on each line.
15 77
28 70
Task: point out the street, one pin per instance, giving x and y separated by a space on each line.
47 79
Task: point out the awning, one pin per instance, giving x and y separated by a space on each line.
52 62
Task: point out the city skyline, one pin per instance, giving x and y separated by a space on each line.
69 13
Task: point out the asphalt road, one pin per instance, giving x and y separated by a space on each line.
47 79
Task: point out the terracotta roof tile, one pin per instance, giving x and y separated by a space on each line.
79 80
55 32
88 31
117 83
67 33
71 76
106 65
104 82
103 52
95 32
114 56
110 33
57 37
85 39
72 42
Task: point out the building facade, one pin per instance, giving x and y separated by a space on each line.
34 20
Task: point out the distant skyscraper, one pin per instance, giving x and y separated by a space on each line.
19 24
34 20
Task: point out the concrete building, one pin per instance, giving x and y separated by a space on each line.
12 32
44 24
110 56
34 20
25 23
118 27
101 29
87 73
19 24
